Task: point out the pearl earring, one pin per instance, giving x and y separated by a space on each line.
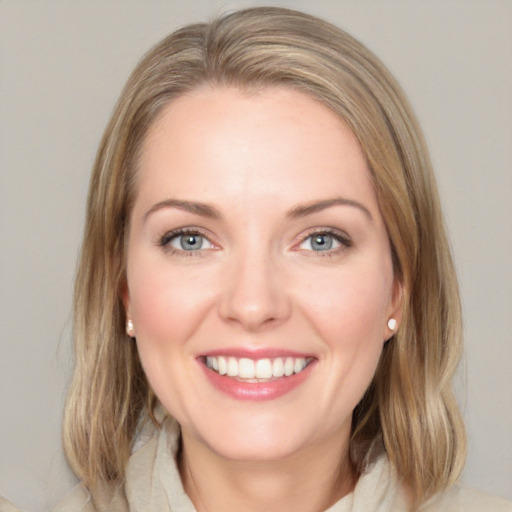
392 324
130 329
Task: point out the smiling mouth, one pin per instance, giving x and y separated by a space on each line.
256 370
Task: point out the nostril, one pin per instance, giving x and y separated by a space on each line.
252 297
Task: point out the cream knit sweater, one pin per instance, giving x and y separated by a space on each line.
153 484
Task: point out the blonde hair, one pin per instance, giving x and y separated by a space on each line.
410 401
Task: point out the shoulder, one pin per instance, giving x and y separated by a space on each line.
107 498
463 499
78 500
7 506
113 498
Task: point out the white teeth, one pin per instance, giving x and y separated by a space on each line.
278 367
261 369
223 365
246 369
299 365
288 366
232 367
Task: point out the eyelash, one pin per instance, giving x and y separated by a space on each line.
343 239
165 241
345 243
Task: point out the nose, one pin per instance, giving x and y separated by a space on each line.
253 293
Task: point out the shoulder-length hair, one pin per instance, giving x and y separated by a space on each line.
409 402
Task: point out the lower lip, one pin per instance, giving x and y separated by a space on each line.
257 391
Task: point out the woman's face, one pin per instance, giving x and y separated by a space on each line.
259 274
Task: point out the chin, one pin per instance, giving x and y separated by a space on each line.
259 439
255 449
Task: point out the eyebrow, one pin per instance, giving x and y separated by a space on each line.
298 211
302 210
201 209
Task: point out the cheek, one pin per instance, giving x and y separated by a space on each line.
166 303
348 311
348 316
166 306
350 306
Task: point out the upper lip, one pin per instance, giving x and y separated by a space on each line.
255 353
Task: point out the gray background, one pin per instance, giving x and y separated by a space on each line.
63 63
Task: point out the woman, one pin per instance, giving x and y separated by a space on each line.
266 310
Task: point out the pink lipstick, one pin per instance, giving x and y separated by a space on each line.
256 375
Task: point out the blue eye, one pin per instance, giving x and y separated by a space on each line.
187 241
323 242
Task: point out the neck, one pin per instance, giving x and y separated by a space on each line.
309 481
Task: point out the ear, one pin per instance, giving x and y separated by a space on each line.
395 310
124 293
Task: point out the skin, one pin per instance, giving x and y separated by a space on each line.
256 282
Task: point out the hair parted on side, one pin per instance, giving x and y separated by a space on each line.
410 401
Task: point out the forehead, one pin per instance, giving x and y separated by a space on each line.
275 142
